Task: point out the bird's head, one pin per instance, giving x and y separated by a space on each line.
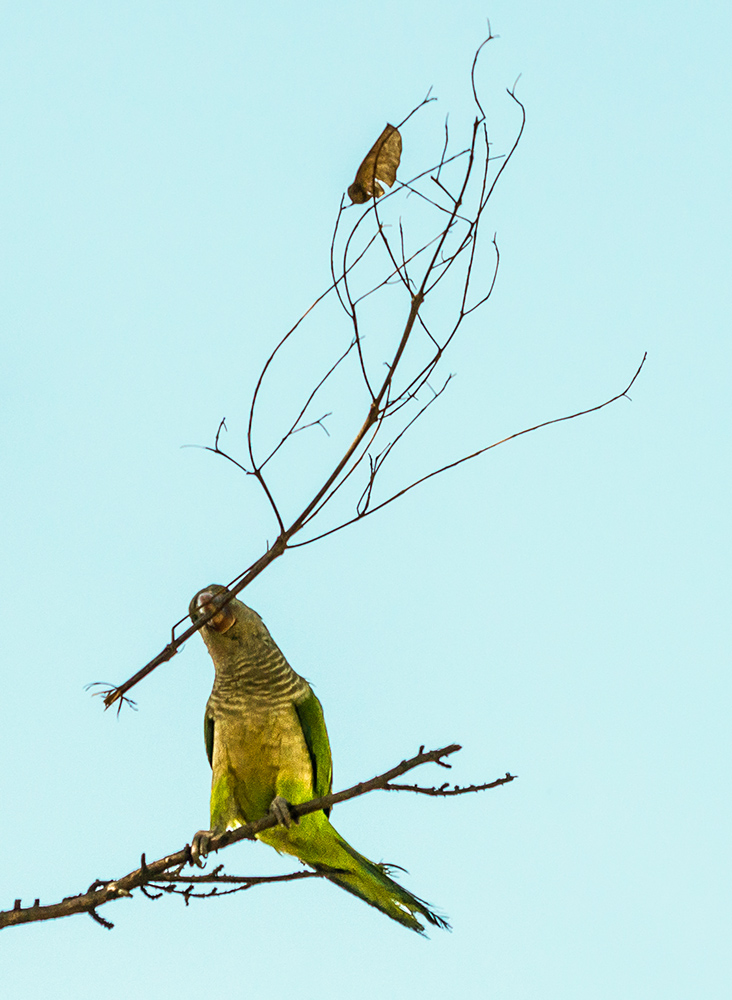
209 599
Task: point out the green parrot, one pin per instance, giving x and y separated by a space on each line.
268 748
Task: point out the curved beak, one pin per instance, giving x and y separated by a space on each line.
224 619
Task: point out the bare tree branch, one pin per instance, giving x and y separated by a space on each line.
169 868
362 262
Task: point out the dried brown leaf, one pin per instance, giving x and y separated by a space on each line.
380 164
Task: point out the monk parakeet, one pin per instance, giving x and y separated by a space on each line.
268 747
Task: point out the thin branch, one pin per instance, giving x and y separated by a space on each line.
445 790
475 454
221 879
377 464
293 427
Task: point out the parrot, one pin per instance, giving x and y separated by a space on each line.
268 749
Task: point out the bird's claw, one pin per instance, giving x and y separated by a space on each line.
200 846
281 811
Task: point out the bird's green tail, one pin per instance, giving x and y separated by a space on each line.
326 851
371 883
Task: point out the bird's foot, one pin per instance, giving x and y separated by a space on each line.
200 846
281 810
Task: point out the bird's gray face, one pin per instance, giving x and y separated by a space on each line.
205 601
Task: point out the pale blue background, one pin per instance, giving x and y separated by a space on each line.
559 608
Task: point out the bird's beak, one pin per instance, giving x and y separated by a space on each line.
220 622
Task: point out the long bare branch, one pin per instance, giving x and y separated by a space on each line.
387 388
102 892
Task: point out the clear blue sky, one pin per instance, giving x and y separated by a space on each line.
559 608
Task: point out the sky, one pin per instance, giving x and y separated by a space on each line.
559 607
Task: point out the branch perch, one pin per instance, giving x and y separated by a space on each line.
169 868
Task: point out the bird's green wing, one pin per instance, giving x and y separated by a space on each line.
208 735
310 713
